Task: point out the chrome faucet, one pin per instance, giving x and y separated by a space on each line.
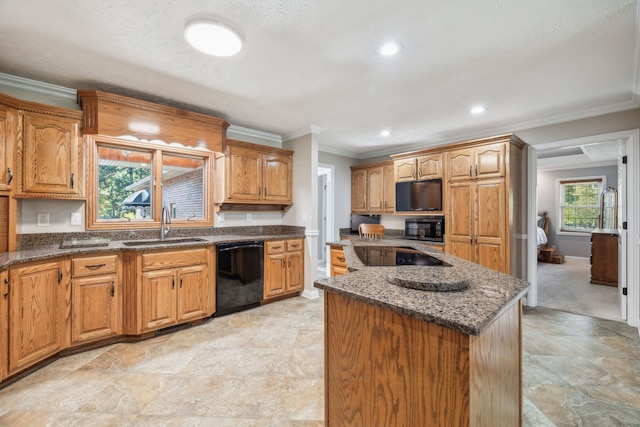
165 220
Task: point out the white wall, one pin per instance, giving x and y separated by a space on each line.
342 181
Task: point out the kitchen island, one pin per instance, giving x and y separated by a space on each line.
400 356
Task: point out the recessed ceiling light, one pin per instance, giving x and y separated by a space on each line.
478 109
212 37
385 132
389 49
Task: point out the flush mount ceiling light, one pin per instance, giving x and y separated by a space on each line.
389 49
212 37
385 132
479 109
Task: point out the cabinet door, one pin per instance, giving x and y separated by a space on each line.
405 170
274 275
490 160
338 262
460 226
295 271
51 150
158 299
429 167
7 141
359 191
460 164
38 299
276 178
96 308
4 324
389 189
375 190
490 213
244 174
193 293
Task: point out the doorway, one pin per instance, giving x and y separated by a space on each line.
625 305
325 213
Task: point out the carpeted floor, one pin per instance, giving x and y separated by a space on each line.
566 287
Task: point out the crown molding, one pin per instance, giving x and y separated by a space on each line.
38 87
252 133
310 130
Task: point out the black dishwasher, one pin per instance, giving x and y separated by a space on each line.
239 277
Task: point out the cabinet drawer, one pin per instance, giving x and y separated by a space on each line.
337 258
94 265
274 247
294 245
170 259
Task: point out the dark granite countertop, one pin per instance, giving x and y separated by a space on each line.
97 246
469 311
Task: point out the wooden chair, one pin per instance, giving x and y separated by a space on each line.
371 231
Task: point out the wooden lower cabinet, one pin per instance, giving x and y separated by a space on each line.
383 368
338 262
96 298
604 258
39 323
4 324
283 267
166 288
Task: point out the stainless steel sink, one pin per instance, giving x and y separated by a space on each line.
163 242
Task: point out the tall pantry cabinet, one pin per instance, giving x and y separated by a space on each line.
486 202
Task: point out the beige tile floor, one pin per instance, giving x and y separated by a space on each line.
264 367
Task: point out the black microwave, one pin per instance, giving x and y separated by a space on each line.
428 228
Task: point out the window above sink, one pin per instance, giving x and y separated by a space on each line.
129 181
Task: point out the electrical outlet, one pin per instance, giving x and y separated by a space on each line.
249 217
221 217
76 218
42 220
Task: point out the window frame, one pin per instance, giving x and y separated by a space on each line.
560 203
157 149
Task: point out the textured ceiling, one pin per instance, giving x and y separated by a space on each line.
314 63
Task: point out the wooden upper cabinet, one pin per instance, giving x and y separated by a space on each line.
487 161
405 169
8 116
389 189
429 167
418 168
47 144
256 175
277 175
358 190
244 173
373 188
375 196
51 150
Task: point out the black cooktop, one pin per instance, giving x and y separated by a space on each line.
396 255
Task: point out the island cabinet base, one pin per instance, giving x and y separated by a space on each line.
383 368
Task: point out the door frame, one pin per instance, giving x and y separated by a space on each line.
329 235
631 138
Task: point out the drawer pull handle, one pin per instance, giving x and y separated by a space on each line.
277 247
73 176
181 280
94 266
340 258
6 282
59 275
113 289
173 282
10 176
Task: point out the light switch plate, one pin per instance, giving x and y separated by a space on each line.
42 220
76 218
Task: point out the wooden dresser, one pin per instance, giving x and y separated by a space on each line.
604 257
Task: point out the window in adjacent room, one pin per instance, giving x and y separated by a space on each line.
580 203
